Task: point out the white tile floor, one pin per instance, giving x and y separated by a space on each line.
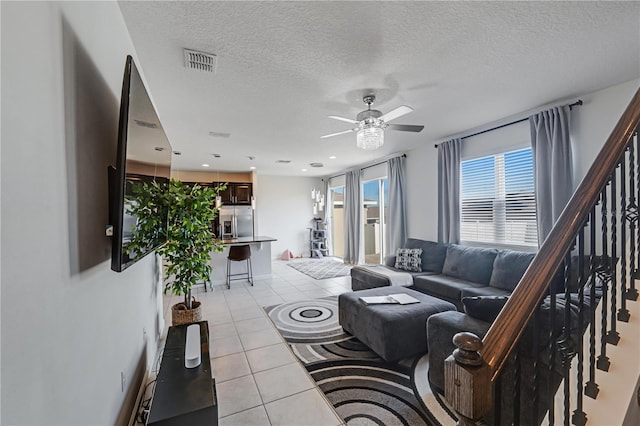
258 380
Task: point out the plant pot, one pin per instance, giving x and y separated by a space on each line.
180 315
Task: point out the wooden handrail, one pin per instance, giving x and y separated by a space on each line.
506 330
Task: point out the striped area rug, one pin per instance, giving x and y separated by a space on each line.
321 268
363 388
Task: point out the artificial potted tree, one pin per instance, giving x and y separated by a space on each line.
189 237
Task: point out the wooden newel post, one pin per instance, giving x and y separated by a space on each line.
467 380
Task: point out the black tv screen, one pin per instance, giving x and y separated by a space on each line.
143 155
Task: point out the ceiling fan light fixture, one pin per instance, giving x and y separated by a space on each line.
370 124
371 137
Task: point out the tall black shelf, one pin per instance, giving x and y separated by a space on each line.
318 239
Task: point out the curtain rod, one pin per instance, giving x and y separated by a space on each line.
366 167
577 103
381 162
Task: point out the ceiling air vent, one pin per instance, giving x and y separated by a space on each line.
200 61
283 161
220 135
316 164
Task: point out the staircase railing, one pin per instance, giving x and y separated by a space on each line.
529 348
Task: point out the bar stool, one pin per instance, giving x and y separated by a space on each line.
238 254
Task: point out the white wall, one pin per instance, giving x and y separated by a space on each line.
70 325
591 125
284 210
422 193
593 122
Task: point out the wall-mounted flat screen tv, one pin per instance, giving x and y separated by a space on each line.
143 155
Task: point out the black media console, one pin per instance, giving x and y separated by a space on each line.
184 396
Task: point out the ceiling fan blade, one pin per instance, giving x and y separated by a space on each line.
405 127
395 113
336 134
348 120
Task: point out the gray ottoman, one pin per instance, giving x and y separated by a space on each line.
392 331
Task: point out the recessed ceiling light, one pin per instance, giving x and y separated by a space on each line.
333 157
252 167
205 165
304 170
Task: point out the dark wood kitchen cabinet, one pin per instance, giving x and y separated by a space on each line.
236 193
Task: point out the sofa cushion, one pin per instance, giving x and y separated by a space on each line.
443 287
390 260
409 259
433 254
485 308
483 291
469 263
366 277
508 267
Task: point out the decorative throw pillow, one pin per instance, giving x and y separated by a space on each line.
409 259
485 308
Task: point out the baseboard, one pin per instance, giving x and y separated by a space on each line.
150 375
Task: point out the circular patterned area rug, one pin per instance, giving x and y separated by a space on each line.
363 388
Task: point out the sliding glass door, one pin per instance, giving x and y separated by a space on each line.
376 194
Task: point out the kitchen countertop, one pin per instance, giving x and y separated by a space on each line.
247 240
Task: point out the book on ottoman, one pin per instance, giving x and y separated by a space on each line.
400 298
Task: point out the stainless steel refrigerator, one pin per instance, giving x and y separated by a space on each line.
236 222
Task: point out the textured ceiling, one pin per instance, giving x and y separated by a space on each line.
283 67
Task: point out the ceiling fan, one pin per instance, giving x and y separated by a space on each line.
371 124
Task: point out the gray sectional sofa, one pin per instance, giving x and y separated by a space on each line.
478 282
451 272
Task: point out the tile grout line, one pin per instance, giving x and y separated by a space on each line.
299 284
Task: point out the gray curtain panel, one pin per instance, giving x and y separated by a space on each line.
397 219
352 218
449 191
553 164
328 211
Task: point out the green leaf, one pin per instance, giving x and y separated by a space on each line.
189 240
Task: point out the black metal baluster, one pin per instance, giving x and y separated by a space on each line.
536 364
564 343
623 312
591 387
516 386
632 292
637 140
552 351
612 335
579 416
603 361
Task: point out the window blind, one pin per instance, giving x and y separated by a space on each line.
497 199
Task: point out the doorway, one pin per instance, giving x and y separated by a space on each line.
375 196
